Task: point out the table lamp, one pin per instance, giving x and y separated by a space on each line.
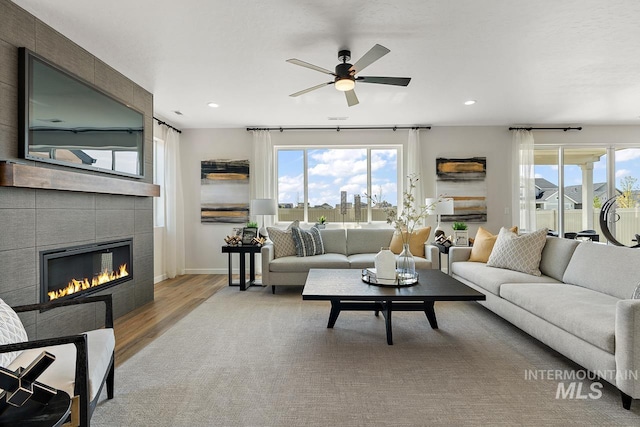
439 207
263 207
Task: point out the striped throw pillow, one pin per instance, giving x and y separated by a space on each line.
307 243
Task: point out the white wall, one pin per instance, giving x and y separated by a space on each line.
203 241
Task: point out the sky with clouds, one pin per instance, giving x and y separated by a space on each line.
331 171
627 164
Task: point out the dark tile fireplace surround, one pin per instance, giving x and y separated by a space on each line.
33 220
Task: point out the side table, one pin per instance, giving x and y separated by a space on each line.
442 249
33 414
243 250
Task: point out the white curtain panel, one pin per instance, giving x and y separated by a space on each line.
173 249
524 194
414 166
263 170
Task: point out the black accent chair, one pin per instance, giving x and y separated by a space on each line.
82 374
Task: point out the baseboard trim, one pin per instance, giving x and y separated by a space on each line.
159 278
208 271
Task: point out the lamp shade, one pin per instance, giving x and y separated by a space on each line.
264 207
439 206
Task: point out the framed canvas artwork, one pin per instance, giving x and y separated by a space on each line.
224 191
464 181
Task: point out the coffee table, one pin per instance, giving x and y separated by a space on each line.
346 291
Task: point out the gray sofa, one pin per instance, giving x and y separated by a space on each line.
581 306
350 248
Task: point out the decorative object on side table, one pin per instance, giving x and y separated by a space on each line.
405 223
460 234
249 233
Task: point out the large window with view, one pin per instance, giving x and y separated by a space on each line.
333 183
584 179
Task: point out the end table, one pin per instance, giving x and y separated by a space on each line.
243 250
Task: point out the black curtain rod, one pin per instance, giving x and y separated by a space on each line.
338 128
562 129
160 122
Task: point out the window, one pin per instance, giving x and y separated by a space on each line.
585 178
313 181
158 178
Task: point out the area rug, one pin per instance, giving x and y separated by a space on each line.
256 359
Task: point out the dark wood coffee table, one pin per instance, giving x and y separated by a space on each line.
346 291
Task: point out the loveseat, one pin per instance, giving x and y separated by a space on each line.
581 305
350 248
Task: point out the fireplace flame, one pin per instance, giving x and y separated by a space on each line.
82 284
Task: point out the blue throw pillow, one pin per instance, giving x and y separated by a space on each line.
307 242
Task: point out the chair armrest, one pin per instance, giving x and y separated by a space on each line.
268 254
81 383
627 339
46 306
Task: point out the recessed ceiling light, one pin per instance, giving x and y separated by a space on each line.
212 105
470 102
178 112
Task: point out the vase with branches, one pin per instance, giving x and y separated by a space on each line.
405 222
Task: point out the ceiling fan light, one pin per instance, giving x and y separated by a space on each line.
345 84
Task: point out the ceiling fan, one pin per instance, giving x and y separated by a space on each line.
345 73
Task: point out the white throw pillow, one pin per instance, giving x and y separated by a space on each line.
519 253
11 331
283 244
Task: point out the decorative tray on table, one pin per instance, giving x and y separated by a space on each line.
369 276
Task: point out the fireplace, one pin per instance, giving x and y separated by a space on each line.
80 270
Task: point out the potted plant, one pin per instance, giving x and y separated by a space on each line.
460 234
322 222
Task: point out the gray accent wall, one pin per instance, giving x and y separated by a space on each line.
35 220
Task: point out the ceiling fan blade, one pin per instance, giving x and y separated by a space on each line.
311 66
302 92
352 99
375 53
396 81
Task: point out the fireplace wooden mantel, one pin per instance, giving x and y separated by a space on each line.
27 176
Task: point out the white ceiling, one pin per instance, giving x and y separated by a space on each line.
570 62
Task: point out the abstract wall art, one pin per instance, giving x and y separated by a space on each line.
464 181
224 191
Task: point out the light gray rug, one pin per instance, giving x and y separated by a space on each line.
256 359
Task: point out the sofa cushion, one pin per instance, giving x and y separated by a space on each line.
11 331
483 244
308 243
585 313
296 265
283 244
367 240
416 243
491 278
556 255
613 270
518 253
61 373
334 241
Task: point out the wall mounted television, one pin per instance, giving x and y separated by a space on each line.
68 121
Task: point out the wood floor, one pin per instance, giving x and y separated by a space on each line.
174 299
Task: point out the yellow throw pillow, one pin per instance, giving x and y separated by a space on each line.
483 244
416 244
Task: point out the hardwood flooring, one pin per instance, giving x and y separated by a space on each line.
174 299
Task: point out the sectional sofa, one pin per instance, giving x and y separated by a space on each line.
350 248
581 305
